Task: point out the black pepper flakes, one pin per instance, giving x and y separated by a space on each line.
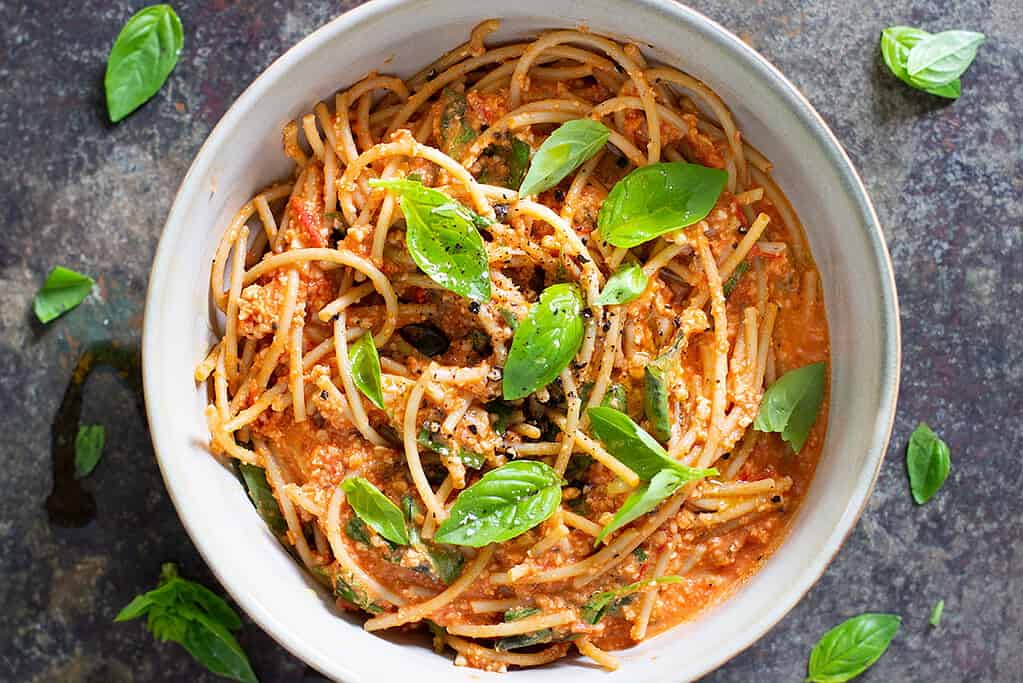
474 307
775 499
559 196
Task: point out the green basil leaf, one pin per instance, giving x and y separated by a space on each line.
936 612
896 43
519 641
262 497
63 290
353 593
447 562
376 509
655 395
616 397
942 58
470 459
852 647
88 449
627 283
357 530
455 132
732 282
565 150
791 404
139 606
141 59
512 160
928 463
599 605
214 605
516 613
657 199
442 238
365 363
545 342
643 500
506 502
640 554
214 647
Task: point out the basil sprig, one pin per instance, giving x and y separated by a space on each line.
365 363
88 449
567 148
442 238
376 509
626 284
657 199
545 342
927 462
850 648
506 502
790 405
63 290
193 616
141 59
601 604
940 59
262 497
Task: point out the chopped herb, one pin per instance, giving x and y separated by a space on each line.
601 604
516 613
353 593
640 554
357 530
471 459
939 609
732 282
262 497
520 641
88 449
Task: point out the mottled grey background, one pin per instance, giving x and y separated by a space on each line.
947 180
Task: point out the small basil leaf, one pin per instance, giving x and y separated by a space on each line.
936 612
852 647
545 342
506 165
442 238
627 283
88 449
506 502
732 282
601 604
517 642
616 397
640 554
447 562
426 338
63 290
471 459
141 59
567 148
353 593
791 404
896 43
644 499
214 647
365 364
655 395
928 463
657 199
262 497
516 613
943 57
455 132
376 509
357 530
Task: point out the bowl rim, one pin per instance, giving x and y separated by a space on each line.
891 348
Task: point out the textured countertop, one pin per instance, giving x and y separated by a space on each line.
946 178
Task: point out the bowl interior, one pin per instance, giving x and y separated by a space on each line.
243 154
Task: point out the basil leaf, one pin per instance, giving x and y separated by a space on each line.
545 342
442 238
506 502
357 530
627 283
353 593
516 613
376 509
214 647
141 59
567 148
928 463
447 562
601 604
657 199
512 159
790 405
640 554
732 282
616 397
852 647
63 290
88 449
517 642
365 363
936 612
455 132
426 338
942 58
262 497
469 458
644 499
655 395
896 43
211 603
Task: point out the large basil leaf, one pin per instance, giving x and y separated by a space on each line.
928 463
599 605
376 509
640 452
626 284
791 404
442 238
852 647
567 148
63 290
896 43
545 342
657 199
365 363
942 58
506 502
141 59
644 499
262 497
88 449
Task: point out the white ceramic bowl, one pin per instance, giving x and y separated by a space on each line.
400 36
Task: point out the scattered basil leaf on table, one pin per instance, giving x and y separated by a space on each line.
657 199
442 238
564 150
63 290
545 342
928 463
733 281
626 284
262 497
88 449
644 499
471 459
936 612
790 405
852 647
601 604
506 502
191 615
365 364
426 338
516 613
896 42
141 59
376 509
455 132
942 58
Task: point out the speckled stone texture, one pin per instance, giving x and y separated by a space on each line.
947 180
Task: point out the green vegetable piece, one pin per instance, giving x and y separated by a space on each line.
365 363
567 148
939 59
640 554
376 509
445 561
791 404
471 459
515 155
657 199
88 449
262 497
732 282
516 613
616 397
601 604
214 647
936 613
644 499
517 642
927 462
141 59
896 43
442 238
349 590
455 132
357 530
655 394
850 648
506 502
545 342
63 290
626 284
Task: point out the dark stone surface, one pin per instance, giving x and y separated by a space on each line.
946 179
